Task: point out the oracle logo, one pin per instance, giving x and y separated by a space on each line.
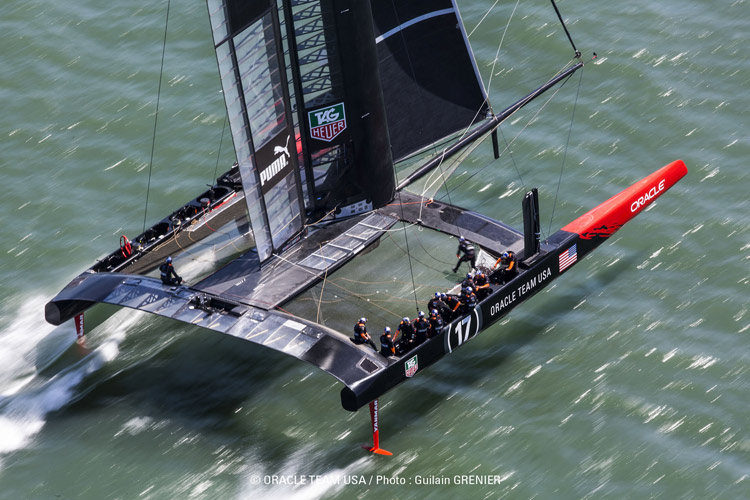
647 196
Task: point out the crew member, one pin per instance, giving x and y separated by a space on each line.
439 303
406 335
482 287
469 254
421 328
468 299
448 302
360 334
436 323
454 304
387 347
505 268
433 303
168 274
468 281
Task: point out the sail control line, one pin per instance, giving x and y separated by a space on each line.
375 448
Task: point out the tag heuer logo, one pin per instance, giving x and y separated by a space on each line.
411 366
327 123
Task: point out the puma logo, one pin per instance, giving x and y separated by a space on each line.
277 150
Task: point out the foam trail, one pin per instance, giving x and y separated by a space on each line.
22 415
21 356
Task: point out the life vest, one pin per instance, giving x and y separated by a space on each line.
421 327
406 329
436 323
360 330
466 248
386 343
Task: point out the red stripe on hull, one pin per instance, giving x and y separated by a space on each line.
605 219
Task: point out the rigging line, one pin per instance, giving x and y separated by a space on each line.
559 16
408 254
218 154
483 18
418 261
428 182
565 152
421 92
427 252
512 159
485 102
362 297
497 53
156 117
322 287
531 120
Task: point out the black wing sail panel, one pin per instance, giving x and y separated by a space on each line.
344 138
302 90
431 84
247 40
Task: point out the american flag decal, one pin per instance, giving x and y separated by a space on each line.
568 258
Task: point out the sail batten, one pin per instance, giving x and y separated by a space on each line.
412 22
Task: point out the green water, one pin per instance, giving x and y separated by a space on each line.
627 378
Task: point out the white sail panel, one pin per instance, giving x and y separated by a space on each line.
246 36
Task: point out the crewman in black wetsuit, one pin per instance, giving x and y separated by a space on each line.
468 281
433 303
168 274
387 347
447 310
468 300
406 335
421 328
482 287
469 253
436 323
454 304
360 334
437 303
505 268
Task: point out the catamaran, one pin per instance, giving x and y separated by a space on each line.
326 100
